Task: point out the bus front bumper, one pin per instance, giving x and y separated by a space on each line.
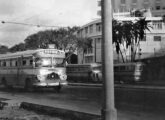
43 84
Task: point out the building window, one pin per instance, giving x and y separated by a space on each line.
157 25
98 27
123 1
88 59
89 51
86 30
157 38
157 8
91 28
98 40
123 8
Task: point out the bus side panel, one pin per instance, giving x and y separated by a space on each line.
27 73
9 75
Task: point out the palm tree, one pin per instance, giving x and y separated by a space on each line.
129 34
118 36
139 32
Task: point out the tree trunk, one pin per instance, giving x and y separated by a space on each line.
136 50
122 55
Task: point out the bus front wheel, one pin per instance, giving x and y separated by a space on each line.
57 88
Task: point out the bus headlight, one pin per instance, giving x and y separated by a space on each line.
40 77
63 77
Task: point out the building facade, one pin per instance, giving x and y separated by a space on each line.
153 44
157 7
124 7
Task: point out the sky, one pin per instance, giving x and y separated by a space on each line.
59 13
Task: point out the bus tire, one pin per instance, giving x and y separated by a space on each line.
28 86
57 88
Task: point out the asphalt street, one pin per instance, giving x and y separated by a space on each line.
85 99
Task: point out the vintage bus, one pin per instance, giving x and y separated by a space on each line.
33 68
84 73
92 73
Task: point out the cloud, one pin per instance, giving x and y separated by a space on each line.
14 28
10 7
42 12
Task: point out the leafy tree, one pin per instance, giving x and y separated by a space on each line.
18 47
61 37
32 42
139 32
3 49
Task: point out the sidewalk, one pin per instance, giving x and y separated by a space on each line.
73 108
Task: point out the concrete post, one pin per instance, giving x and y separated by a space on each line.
108 110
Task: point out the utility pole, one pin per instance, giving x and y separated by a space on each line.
108 111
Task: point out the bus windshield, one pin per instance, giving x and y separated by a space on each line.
49 62
43 62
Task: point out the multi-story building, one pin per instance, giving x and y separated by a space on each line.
157 7
153 43
124 7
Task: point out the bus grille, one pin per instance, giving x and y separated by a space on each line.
53 76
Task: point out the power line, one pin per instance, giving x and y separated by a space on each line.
28 24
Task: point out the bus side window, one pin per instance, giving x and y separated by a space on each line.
31 62
1 63
10 63
24 63
16 63
4 63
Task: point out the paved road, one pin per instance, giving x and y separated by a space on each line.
82 96
83 99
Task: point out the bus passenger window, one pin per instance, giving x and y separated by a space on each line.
4 64
1 63
31 62
16 63
24 62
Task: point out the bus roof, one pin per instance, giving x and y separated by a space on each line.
40 52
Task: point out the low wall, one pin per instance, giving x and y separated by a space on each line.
140 98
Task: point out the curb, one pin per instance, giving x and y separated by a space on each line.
85 84
59 112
